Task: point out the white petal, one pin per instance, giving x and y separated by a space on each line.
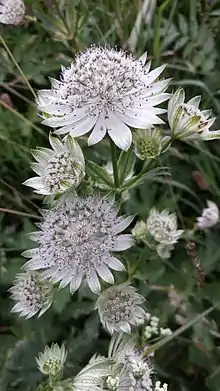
143 58
123 242
153 75
69 119
75 282
125 327
195 101
55 143
123 224
99 131
83 127
104 272
93 282
35 182
115 264
119 133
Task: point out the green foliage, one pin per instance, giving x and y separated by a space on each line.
186 38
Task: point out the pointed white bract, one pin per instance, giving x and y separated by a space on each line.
131 371
209 217
187 122
31 294
52 360
162 226
12 11
104 91
76 240
59 168
91 377
119 308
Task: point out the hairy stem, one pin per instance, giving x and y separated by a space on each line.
114 163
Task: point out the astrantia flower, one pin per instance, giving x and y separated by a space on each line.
52 360
210 216
32 295
11 11
163 226
187 122
105 91
148 143
119 308
131 371
76 240
59 168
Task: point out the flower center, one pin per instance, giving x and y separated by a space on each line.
62 167
118 308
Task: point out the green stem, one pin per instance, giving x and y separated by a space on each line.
114 163
19 115
157 43
16 64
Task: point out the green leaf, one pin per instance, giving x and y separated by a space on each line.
99 174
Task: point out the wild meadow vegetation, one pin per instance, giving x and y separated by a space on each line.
157 170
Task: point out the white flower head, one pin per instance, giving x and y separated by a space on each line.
106 91
119 308
11 11
210 216
31 294
52 360
187 122
76 240
163 226
59 169
131 371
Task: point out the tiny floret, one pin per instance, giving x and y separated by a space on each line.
119 308
162 226
160 387
59 169
104 91
140 231
52 360
31 294
11 11
209 217
187 121
76 241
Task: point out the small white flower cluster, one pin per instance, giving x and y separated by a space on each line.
154 329
209 217
162 228
160 387
12 11
52 360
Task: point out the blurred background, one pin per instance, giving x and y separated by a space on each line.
186 36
